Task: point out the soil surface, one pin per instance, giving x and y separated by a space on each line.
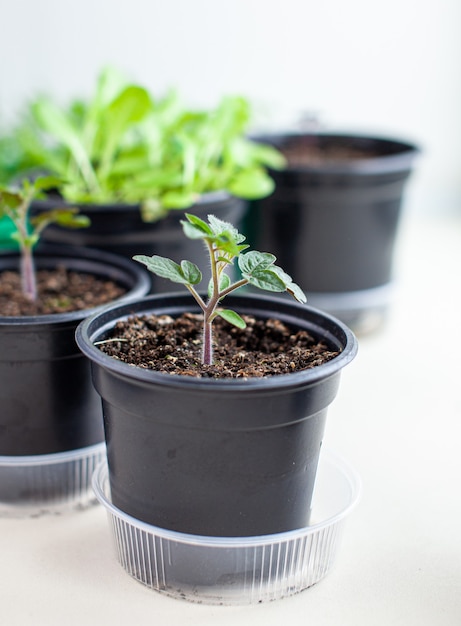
59 291
314 155
263 348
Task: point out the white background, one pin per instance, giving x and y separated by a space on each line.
381 68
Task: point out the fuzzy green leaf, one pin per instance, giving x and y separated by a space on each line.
292 288
266 279
222 228
186 274
199 223
255 261
191 272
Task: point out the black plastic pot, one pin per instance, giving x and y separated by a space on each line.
119 229
48 402
333 225
215 457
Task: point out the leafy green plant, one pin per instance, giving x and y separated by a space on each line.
124 145
224 244
15 204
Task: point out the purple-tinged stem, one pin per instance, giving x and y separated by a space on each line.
207 354
28 281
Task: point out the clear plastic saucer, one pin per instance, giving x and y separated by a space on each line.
236 570
35 485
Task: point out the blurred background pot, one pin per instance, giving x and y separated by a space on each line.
120 229
333 218
49 406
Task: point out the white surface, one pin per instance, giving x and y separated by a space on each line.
396 420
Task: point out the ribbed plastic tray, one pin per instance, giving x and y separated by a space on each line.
236 570
36 485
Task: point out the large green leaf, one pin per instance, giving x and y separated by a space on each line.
55 121
130 106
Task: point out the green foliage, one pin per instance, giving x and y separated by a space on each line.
15 205
224 244
122 144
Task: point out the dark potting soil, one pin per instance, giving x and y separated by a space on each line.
311 155
59 291
263 348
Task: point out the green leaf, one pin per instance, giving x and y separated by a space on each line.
251 184
191 272
292 288
250 261
220 227
232 317
224 283
268 155
166 268
43 183
10 199
130 106
199 223
53 120
196 228
266 279
297 293
259 269
178 199
68 218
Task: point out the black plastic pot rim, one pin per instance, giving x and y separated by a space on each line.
402 160
76 253
96 325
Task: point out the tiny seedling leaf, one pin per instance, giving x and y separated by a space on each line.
224 283
232 317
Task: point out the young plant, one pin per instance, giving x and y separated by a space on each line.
15 204
125 145
224 244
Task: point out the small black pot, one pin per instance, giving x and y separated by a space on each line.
215 457
48 402
118 228
333 225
